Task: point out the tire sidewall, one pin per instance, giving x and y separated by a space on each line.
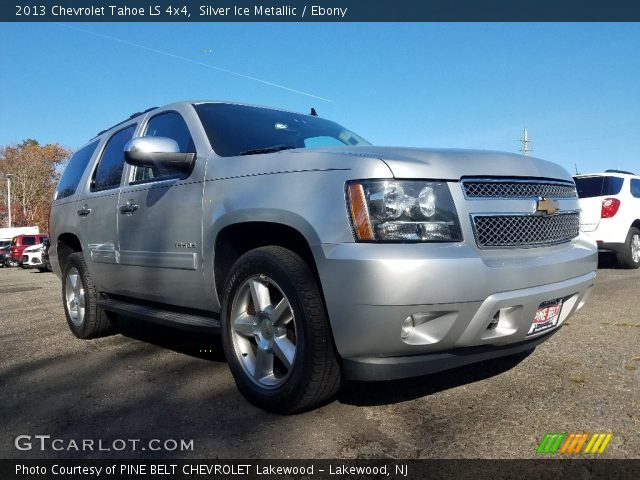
630 262
246 267
78 330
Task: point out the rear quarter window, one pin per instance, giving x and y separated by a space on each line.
598 186
635 187
74 170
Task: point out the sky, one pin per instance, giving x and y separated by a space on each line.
575 87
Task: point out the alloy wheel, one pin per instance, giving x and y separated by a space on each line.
263 330
74 296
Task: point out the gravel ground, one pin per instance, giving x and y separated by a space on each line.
156 383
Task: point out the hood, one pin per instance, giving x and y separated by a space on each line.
32 248
452 164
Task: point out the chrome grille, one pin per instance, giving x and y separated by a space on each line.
525 230
479 188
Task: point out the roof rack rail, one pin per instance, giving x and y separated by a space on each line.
134 115
619 171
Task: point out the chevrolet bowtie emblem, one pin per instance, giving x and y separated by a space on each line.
547 206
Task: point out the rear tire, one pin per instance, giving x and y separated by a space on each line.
79 297
275 332
630 256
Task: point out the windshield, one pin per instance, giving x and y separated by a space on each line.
598 186
244 130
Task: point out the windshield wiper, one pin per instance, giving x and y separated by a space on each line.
272 149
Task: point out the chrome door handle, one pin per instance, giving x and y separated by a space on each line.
128 208
84 211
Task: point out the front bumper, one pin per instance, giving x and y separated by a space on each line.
31 261
454 294
391 368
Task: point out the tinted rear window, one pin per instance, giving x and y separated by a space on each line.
111 164
598 186
74 170
28 240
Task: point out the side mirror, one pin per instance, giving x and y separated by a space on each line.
157 152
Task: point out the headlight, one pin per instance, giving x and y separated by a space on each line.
402 211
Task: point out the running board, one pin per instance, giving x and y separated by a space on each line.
157 315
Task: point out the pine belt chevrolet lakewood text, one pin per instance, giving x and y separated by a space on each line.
318 256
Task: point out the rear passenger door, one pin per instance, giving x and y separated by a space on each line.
160 224
98 211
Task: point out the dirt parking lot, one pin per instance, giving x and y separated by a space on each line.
155 383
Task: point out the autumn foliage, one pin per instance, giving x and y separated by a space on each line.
35 170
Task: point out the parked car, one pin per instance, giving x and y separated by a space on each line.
32 257
45 255
4 253
18 244
318 256
610 204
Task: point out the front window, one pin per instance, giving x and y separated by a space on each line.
170 125
244 130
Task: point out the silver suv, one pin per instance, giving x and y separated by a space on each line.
318 256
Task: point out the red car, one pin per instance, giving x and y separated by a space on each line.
18 244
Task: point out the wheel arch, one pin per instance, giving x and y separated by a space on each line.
66 244
236 239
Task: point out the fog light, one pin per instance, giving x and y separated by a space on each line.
494 321
407 327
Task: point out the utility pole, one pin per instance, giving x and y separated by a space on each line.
8 177
525 142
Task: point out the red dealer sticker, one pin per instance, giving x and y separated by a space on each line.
546 316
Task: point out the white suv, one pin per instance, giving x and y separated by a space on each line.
610 204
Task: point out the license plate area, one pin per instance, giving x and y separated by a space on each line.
546 317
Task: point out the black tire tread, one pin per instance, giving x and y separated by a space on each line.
324 376
96 323
624 257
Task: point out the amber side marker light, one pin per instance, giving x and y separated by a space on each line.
359 213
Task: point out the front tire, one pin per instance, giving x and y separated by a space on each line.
630 256
275 332
79 296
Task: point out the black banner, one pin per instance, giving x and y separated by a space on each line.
320 11
320 469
